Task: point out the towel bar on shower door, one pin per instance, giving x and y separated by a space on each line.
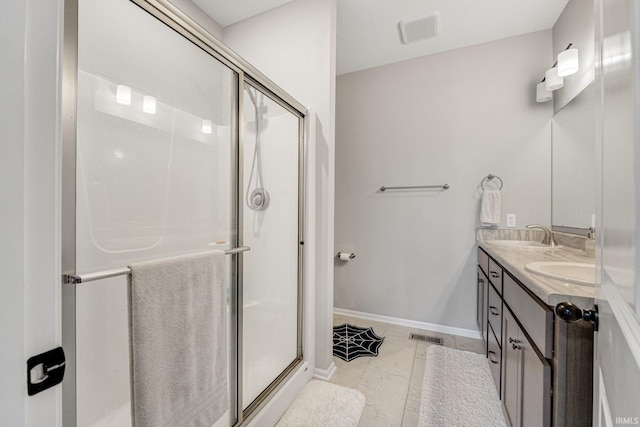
90 277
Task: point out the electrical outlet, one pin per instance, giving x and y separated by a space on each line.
511 220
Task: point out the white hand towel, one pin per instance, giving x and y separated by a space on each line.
491 208
177 319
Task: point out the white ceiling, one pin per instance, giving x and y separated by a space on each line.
367 30
227 12
368 34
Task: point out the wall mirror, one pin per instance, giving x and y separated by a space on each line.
573 165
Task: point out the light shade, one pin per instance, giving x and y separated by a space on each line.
568 62
542 94
206 126
123 95
552 81
149 104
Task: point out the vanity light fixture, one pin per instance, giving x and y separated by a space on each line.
568 61
552 80
542 94
566 65
149 104
206 126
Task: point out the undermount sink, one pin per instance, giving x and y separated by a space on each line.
574 272
521 244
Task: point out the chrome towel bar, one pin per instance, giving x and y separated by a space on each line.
90 277
415 187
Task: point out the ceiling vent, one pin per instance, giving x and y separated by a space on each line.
419 29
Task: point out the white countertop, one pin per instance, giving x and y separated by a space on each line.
550 291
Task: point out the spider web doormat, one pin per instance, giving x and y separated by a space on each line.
351 342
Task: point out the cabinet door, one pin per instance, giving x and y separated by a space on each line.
535 387
511 369
526 378
481 306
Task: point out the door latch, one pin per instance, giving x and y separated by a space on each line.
45 370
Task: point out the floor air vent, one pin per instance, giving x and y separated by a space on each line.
425 338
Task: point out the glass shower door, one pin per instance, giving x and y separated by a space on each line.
271 227
179 147
156 177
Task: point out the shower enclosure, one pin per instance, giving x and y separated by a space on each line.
174 145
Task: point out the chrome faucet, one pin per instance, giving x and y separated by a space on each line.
549 238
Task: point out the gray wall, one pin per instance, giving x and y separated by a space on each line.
451 118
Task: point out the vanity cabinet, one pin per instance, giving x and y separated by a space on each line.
542 367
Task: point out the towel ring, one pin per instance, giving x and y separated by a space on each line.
488 178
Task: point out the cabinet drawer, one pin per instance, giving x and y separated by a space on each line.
483 261
482 302
494 313
495 275
535 317
495 358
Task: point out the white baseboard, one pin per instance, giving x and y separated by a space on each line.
469 333
325 374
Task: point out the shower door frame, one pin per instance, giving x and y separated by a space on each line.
177 20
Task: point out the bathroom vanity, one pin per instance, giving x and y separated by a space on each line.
542 366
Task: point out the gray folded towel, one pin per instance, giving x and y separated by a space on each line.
177 319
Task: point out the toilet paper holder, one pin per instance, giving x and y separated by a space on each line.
351 255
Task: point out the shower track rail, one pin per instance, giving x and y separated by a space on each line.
90 277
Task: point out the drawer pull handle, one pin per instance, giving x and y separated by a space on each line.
491 359
516 346
494 310
494 274
512 340
481 281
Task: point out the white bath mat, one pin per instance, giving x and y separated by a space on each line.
458 391
323 404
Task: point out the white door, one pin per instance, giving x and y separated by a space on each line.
617 362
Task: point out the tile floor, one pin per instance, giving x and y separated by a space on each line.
392 381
